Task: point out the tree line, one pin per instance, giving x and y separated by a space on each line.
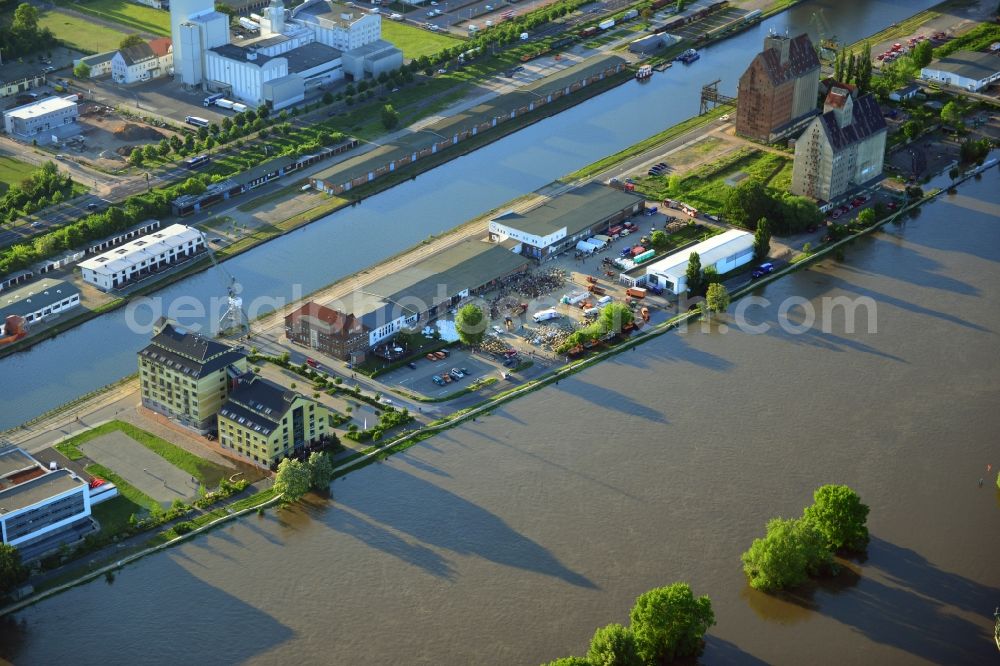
42 187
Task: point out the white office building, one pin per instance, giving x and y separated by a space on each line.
138 259
40 509
46 121
725 252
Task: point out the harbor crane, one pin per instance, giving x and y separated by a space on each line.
234 319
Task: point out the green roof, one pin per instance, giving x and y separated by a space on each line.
446 128
575 210
34 296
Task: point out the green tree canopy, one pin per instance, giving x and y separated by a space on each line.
615 316
321 470
790 552
569 661
130 40
12 572
922 53
390 117
25 19
867 217
717 297
747 202
951 114
693 274
840 517
659 240
81 70
911 129
613 645
293 479
135 157
669 622
470 323
762 239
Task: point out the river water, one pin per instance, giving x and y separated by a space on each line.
103 350
508 540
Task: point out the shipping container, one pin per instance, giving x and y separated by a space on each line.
645 256
606 24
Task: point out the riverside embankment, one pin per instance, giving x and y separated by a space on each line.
509 539
343 243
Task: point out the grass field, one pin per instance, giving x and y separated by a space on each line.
132 17
12 172
415 42
80 34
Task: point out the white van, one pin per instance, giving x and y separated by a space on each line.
545 315
604 300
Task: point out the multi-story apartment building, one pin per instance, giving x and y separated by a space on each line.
186 376
841 149
326 330
265 422
778 91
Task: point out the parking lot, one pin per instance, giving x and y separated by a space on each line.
420 381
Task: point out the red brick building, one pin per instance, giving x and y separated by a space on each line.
778 91
329 331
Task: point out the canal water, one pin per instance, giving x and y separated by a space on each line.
103 350
507 541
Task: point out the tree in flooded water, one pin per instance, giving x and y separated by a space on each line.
838 514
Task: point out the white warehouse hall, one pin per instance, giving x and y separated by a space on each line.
725 252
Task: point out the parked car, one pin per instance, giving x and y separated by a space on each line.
510 362
762 270
437 380
431 357
411 365
456 374
464 371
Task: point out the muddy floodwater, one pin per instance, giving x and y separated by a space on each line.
507 541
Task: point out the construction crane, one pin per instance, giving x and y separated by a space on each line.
234 319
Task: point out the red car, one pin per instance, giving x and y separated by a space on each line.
892 205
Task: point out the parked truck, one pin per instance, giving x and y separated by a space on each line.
545 315
594 289
223 103
636 292
239 108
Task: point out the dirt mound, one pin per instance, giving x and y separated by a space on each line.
125 131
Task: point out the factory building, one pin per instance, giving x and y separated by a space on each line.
46 121
295 52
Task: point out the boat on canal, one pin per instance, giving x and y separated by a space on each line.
644 73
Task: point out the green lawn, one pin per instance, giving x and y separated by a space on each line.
208 473
13 171
415 42
705 188
138 500
113 514
80 34
132 17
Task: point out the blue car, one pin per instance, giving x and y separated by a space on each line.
762 270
